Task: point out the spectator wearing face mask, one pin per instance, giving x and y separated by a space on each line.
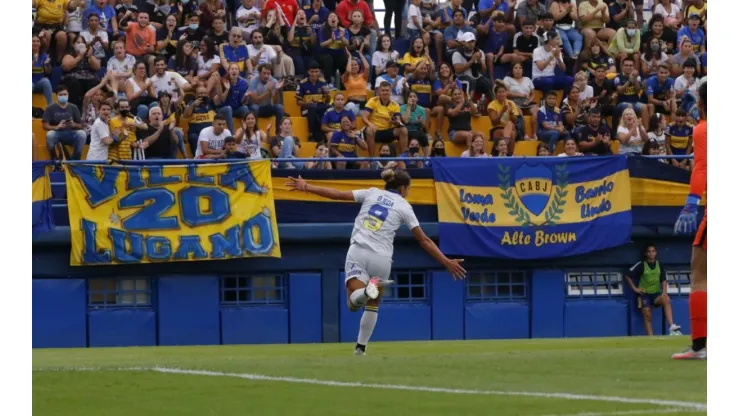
123 127
414 151
653 57
80 68
438 148
626 43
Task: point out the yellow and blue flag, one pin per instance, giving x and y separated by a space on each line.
531 208
43 221
130 214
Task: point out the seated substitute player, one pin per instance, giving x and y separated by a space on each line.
651 289
686 224
370 253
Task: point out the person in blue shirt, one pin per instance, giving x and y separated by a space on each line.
331 120
694 34
107 15
550 127
41 68
679 139
316 15
235 52
344 143
490 8
333 39
313 98
659 91
420 83
628 85
232 97
496 38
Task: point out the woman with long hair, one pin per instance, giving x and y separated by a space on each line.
209 62
500 148
521 91
286 146
657 131
322 152
249 137
594 57
417 53
477 147
166 37
370 255
183 62
438 148
442 89
355 80
333 40
79 67
672 14
275 34
570 148
685 52
543 149
459 113
631 133
359 36
657 29
384 52
140 91
301 39
503 114
653 57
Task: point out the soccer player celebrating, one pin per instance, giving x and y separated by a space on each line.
687 224
370 254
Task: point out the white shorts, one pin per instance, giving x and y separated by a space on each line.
362 264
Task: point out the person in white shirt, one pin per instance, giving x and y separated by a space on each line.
414 25
477 147
260 53
121 64
96 37
100 137
171 82
570 148
544 60
211 140
248 17
631 133
391 76
587 91
370 254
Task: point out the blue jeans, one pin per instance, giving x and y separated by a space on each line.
553 82
572 41
180 145
229 114
286 152
44 86
268 110
549 136
74 138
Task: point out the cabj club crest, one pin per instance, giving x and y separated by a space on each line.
534 199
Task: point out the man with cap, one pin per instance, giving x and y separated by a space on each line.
392 77
470 65
694 34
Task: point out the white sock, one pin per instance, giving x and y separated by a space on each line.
358 298
367 325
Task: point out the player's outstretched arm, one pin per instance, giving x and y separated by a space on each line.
298 184
452 265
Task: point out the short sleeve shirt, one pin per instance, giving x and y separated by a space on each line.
382 213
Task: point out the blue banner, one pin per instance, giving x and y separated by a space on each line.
532 208
41 202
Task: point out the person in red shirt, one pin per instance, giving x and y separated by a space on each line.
346 7
141 40
686 224
289 8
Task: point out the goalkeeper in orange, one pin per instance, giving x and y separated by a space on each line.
686 224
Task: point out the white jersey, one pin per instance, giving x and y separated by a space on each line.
381 214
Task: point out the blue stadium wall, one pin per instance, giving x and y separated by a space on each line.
217 302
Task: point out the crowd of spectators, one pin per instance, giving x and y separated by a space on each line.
133 70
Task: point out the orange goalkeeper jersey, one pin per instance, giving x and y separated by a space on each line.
699 175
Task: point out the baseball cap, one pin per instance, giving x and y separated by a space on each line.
694 16
466 37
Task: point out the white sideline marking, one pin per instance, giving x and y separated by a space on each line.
627 412
566 396
674 406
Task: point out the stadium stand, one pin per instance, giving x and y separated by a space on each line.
90 47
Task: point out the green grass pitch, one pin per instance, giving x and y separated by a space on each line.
477 374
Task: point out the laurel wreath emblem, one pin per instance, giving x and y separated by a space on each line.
521 216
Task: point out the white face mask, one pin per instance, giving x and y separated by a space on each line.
631 32
80 48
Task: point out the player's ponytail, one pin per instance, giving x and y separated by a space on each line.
395 179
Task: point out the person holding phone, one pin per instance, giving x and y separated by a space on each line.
62 122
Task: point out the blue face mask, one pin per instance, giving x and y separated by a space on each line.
193 26
62 99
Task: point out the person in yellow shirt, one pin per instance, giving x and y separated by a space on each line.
503 114
593 15
50 22
123 128
382 118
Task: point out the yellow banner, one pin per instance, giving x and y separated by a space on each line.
150 214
